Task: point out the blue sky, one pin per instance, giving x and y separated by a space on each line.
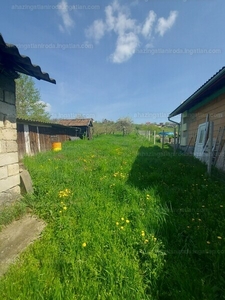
113 59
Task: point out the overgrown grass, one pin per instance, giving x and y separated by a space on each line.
12 212
126 220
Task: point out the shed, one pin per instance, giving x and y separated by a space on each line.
82 127
11 62
207 103
36 136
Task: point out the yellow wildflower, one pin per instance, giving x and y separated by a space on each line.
117 223
219 237
84 245
127 221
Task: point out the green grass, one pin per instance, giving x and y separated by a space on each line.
12 212
126 220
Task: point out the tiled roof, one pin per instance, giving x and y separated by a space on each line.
215 83
11 59
76 122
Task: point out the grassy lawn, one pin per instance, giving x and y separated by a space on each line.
126 220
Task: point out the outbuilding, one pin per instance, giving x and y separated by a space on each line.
82 127
11 63
204 105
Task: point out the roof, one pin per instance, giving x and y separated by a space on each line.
37 122
215 83
76 122
11 59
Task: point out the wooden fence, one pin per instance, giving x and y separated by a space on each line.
37 137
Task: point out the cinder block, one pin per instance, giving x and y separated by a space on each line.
3 172
9 134
1 119
12 146
13 169
26 182
9 182
3 146
9 196
8 109
8 158
7 83
1 95
10 121
9 97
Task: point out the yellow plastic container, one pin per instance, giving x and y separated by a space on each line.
56 146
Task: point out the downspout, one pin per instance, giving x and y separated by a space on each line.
176 146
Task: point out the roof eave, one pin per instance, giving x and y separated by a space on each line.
11 59
183 107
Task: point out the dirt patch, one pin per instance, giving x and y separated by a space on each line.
15 237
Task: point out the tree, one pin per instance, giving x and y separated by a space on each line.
124 125
28 101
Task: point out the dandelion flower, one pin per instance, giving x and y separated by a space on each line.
117 223
145 241
122 219
143 233
219 237
121 227
127 221
208 242
65 208
84 245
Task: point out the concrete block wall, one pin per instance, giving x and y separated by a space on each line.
9 166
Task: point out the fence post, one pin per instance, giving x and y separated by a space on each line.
163 140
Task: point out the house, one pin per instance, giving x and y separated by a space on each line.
11 63
82 127
37 136
206 104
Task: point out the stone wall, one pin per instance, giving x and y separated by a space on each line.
9 167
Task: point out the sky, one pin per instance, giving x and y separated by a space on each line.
121 58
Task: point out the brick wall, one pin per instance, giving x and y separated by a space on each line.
9 167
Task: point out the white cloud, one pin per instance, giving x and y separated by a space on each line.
68 22
96 30
110 19
124 24
48 106
165 24
127 30
125 48
147 27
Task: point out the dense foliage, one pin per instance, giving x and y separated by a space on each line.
28 101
